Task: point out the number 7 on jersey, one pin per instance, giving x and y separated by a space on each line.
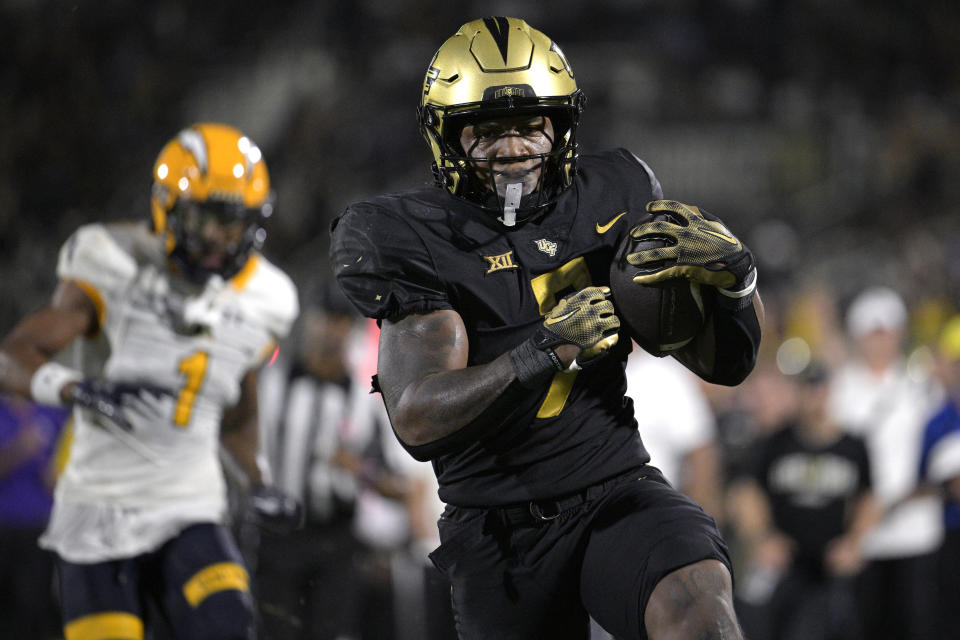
547 288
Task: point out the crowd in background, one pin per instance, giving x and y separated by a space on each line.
828 131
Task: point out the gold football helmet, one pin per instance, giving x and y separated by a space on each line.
211 197
496 67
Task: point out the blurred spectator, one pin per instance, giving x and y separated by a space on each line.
803 512
873 396
940 466
677 426
331 445
29 434
754 410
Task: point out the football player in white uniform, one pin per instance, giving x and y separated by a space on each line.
174 319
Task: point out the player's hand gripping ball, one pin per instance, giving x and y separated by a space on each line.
652 278
584 318
693 244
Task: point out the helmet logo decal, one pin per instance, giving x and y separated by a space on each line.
508 91
501 262
432 74
503 92
499 28
192 141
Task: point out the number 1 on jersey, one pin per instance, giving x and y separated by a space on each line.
194 369
547 288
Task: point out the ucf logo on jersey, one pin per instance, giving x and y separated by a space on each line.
548 247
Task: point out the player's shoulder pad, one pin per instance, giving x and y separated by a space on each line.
655 187
619 167
382 264
269 295
369 223
94 254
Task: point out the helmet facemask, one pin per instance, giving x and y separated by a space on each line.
483 184
487 187
215 237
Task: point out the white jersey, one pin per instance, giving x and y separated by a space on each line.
889 412
126 493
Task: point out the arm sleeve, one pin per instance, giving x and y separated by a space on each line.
383 266
736 336
738 340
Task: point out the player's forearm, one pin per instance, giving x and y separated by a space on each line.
240 430
439 405
442 403
22 352
243 446
431 393
41 335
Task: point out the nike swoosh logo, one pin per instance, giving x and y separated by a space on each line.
560 319
721 236
606 227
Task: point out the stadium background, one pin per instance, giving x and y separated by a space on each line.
826 133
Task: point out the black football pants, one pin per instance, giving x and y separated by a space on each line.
540 576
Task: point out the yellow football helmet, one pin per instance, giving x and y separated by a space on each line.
211 197
495 67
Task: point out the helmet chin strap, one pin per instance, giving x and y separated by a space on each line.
511 200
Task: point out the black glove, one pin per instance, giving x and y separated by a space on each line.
125 404
585 319
700 248
274 511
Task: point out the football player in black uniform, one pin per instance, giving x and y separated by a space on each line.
500 360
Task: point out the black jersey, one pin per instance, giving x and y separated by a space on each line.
811 488
425 250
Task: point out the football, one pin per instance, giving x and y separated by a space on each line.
662 317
